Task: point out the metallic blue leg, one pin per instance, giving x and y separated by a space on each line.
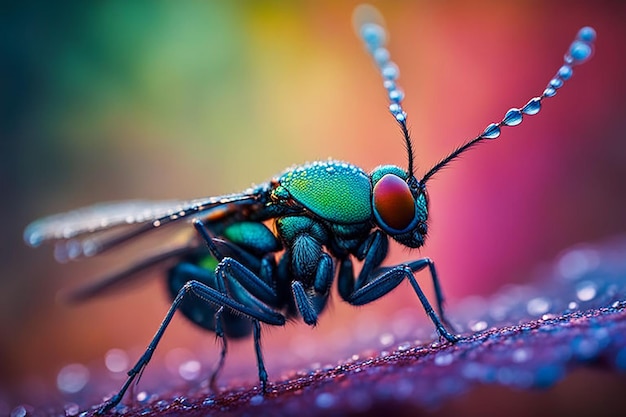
259 355
310 305
390 279
220 335
213 298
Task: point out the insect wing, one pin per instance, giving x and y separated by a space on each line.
109 224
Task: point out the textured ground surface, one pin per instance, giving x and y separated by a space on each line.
558 345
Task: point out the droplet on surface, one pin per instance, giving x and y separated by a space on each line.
386 339
444 359
521 355
325 400
586 290
478 326
72 378
577 262
256 400
190 370
116 360
538 306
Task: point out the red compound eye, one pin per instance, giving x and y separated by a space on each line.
393 202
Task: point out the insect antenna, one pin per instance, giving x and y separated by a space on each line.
579 52
369 25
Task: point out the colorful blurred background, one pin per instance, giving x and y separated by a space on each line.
158 100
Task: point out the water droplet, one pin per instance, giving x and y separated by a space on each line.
374 35
532 107
72 378
401 117
389 85
390 71
586 290
587 34
444 359
190 370
71 409
386 339
396 95
521 355
580 51
116 360
556 83
549 92
491 132
256 400
478 326
381 56
538 306
565 72
513 117
404 346
395 108
325 400
577 262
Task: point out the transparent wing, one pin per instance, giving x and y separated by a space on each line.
91 230
118 280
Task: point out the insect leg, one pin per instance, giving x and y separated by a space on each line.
386 281
259 355
211 297
219 333
373 283
311 303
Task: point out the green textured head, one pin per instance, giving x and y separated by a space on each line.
400 205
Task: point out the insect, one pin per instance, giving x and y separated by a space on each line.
235 274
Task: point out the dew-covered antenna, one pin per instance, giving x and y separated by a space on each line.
370 27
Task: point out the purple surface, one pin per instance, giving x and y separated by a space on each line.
525 338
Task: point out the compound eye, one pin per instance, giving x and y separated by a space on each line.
393 202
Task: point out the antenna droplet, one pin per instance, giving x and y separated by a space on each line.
549 92
381 56
565 72
374 35
579 51
532 107
513 117
390 71
556 83
491 132
396 95
587 34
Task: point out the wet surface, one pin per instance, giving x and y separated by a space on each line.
525 338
